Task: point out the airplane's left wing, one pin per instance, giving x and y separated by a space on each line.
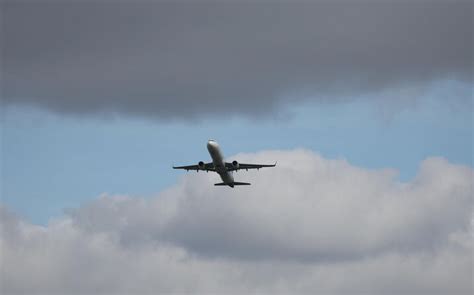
234 166
201 166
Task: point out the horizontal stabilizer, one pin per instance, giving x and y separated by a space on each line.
241 183
233 183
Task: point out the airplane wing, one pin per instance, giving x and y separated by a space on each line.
238 166
202 167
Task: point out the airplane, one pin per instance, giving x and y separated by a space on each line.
224 169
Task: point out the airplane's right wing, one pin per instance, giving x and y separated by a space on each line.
201 166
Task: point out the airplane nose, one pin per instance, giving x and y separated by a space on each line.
211 144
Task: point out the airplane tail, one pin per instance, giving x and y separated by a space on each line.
232 183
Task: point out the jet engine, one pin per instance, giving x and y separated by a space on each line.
235 164
201 165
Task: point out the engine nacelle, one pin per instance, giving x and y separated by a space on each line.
201 165
235 164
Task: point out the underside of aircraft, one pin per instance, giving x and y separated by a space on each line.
224 169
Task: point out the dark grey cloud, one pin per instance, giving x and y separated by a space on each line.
183 59
311 226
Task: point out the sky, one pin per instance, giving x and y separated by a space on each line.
366 106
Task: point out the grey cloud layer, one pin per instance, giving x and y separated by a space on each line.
320 226
180 59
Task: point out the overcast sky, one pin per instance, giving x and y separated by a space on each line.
366 105
180 59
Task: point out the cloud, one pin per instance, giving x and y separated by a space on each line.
310 225
180 60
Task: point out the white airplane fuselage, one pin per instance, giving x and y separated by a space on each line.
224 169
219 164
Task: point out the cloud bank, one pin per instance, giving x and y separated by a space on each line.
175 59
310 225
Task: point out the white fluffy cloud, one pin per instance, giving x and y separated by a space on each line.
309 225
